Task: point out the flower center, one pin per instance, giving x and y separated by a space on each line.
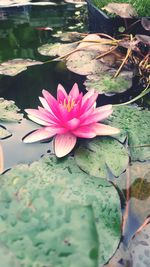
69 104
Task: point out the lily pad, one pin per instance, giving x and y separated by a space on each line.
140 248
104 83
134 123
15 66
57 49
4 133
7 257
123 10
9 111
41 224
101 155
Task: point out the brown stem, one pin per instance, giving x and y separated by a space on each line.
126 213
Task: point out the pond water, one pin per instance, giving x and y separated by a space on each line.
22 31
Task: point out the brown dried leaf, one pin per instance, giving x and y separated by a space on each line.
145 23
123 10
143 38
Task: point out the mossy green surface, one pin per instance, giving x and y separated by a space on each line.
53 214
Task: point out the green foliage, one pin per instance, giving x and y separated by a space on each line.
134 123
102 154
9 111
53 214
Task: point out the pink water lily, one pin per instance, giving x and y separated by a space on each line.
70 116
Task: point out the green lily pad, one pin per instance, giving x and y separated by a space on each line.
57 49
7 257
134 123
101 155
15 66
140 248
9 111
4 133
104 83
41 223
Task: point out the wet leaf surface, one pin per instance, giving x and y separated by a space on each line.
57 49
123 10
104 83
134 123
42 198
101 155
15 66
9 111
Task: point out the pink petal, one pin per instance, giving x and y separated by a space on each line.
87 96
72 124
36 113
37 120
61 93
45 104
97 116
104 108
58 129
50 115
52 102
63 144
102 129
74 93
39 135
89 103
85 132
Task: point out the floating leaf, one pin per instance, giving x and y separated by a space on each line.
40 225
7 258
57 49
123 10
15 66
68 36
17 3
9 111
102 154
4 133
140 248
134 123
104 83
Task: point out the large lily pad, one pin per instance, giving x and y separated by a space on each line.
102 154
7 257
40 224
1 160
57 49
9 111
134 123
15 66
104 83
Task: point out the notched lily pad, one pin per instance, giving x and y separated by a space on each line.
105 83
57 49
123 10
41 224
100 155
134 123
15 66
9 111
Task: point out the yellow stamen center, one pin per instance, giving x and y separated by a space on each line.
69 104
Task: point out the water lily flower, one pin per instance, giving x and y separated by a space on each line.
68 117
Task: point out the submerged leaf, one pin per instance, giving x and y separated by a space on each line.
123 10
104 83
9 111
101 155
15 66
45 218
134 123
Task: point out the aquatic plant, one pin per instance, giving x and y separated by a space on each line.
70 116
